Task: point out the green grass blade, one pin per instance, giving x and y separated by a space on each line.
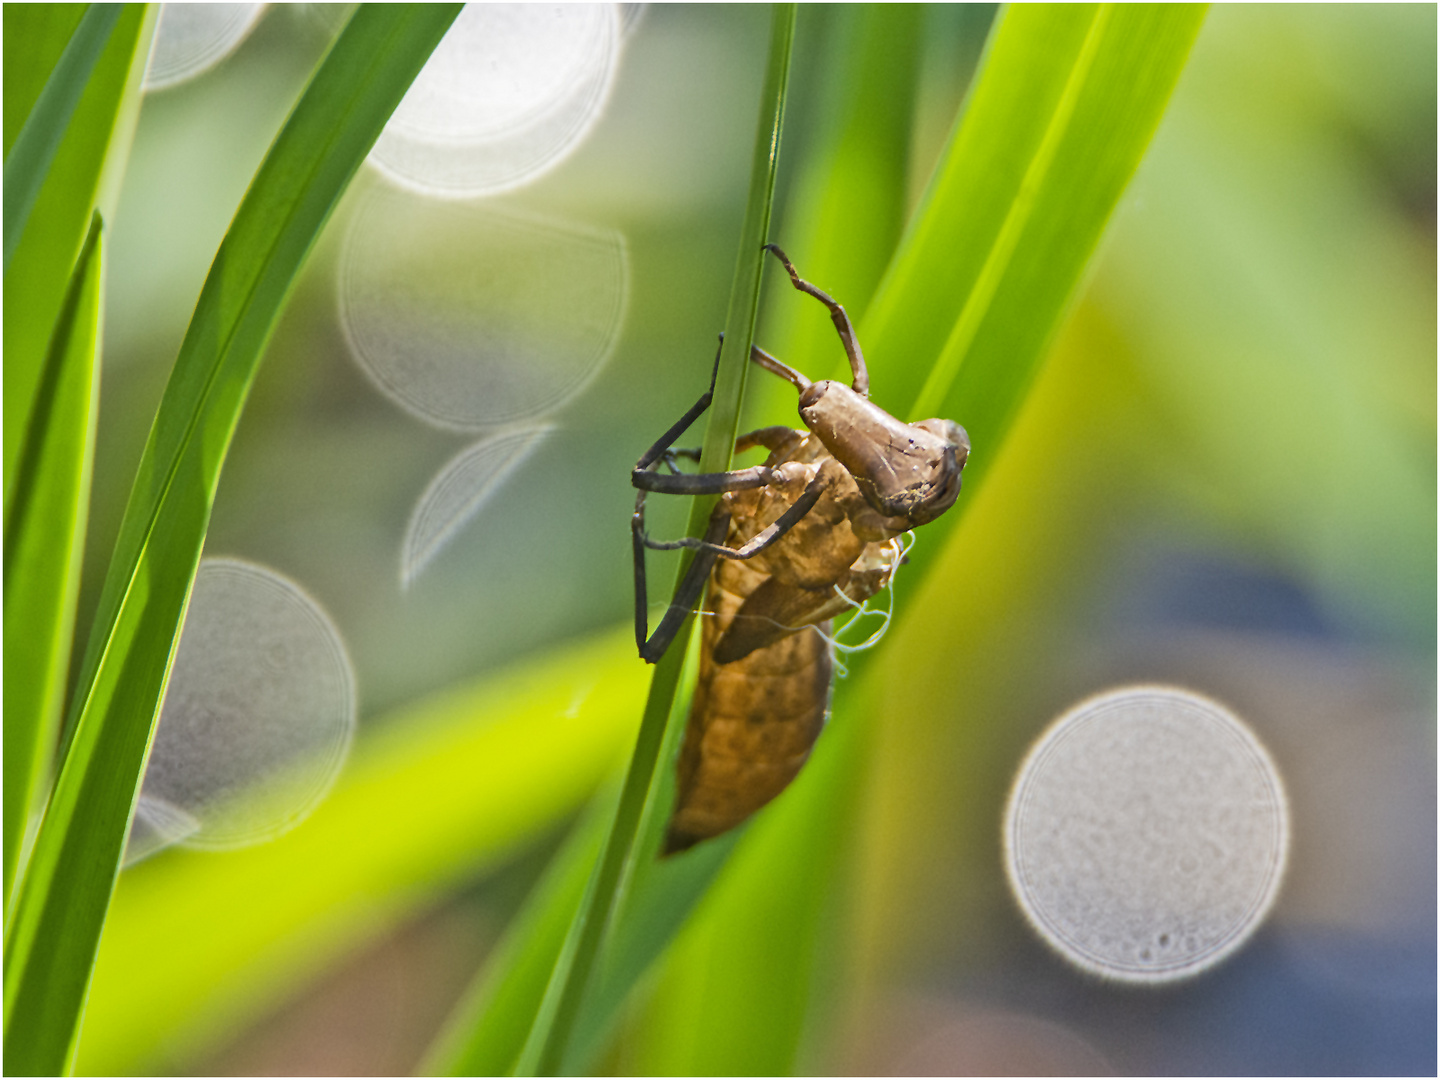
83 173
1118 87
549 1041
482 1037
44 540
199 944
1026 65
50 943
757 951
35 37
1047 143
659 904
1046 207
487 1030
655 896
28 161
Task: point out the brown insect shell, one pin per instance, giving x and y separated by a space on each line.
820 547
906 471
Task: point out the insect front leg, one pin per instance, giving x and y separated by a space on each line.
662 444
843 327
775 439
644 476
780 440
761 358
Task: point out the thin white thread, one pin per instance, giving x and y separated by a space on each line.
900 547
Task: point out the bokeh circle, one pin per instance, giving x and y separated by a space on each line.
1146 834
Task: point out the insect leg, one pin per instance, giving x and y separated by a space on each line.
644 476
646 479
861 385
757 543
690 588
761 358
777 439
704 483
657 450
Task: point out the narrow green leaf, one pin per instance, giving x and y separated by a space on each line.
487 1030
83 173
44 540
35 37
548 1044
655 895
28 161
754 957
199 944
656 908
1052 134
51 942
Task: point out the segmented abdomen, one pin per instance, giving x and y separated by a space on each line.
752 722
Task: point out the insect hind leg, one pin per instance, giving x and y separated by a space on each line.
686 595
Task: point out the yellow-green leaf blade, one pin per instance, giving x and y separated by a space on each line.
84 155
487 1030
1068 100
28 162
44 539
35 37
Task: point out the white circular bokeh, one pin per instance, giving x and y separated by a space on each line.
508 93
257 719
460 490
190 39
472 317
1146 834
